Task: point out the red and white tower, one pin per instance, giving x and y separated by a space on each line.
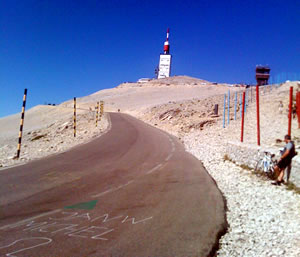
166 44
165 60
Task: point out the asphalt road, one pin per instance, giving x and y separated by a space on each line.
131 192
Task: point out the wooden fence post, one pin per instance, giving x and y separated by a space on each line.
74 117
97 113
21 124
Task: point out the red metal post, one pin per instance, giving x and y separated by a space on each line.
257 114
243 115
290 111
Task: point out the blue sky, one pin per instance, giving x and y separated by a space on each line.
61 49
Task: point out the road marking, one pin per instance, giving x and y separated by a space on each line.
148 172
29 219
173 144
168 157
154 168
113 189
103 193
129 182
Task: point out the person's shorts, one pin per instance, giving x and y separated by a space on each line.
282 164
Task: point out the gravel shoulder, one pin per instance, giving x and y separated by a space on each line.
263 219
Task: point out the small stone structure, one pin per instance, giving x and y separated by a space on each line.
249 154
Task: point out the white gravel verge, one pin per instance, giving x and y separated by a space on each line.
263 219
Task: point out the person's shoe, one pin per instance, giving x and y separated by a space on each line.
276 183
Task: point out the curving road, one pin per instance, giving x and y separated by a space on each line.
131 192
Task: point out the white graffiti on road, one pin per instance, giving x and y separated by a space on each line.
66 223
34 244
